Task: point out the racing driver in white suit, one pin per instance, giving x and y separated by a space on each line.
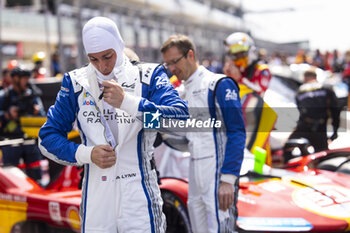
107 99
216 153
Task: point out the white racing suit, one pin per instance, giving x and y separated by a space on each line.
125 197
217 153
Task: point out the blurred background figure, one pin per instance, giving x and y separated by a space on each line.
278 59
316 103
346 71
318 59
55 65
211 63
302 57
262 56
337 62
19 100
39 71
259 117
6 79
346 74
328 58
241 52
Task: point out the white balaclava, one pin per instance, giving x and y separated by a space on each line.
100 34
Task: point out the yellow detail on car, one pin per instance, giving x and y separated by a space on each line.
11 212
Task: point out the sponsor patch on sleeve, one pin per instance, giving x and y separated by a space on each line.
162 81
63 92
230 95
64 89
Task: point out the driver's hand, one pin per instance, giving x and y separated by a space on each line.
113 93
226 195
103 156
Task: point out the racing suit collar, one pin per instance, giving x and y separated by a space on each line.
190 80
88 80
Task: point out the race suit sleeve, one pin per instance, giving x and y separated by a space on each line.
160 96
227 95
53 141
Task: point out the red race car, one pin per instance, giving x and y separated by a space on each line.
278 200
337 160
297 199
27 207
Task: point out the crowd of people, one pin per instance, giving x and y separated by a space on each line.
120 182
335 61
19 99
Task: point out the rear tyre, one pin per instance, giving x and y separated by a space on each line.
30 226
176 213
37 227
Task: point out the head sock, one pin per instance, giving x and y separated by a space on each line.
100 34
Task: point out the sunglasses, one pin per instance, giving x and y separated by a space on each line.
174 62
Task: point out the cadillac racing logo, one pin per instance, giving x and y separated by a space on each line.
120 117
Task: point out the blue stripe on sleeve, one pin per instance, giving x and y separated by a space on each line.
227 95
160 95
60 119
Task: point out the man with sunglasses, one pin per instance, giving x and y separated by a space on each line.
217 152
241 53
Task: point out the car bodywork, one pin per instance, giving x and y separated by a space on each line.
27 207
300 198
336 160
285 201
303 200
296 199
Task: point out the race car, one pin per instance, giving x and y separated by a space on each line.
336 160
297 199
309 200
278 200
27 207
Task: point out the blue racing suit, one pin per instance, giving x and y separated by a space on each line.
217 154
126 196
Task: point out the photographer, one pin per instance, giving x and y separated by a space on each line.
20 99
